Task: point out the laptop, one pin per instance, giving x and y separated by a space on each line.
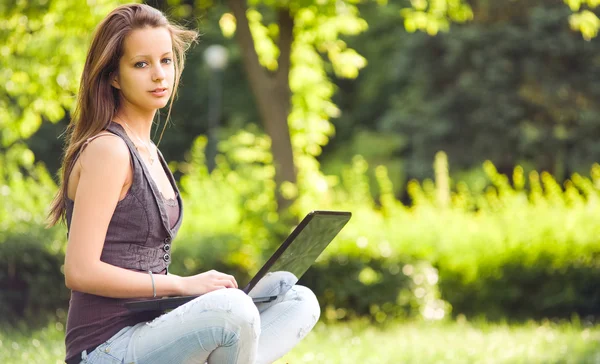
290 261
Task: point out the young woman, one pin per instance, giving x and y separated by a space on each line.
123 209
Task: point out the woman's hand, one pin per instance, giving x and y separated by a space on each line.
206 282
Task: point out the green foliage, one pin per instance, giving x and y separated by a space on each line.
31 281
232 206
231 224
26 189
377 149
435 15
584 21
43 49
351 286
501 88
527 250
486 252
312 106
318 34
521 249
484 249
432 16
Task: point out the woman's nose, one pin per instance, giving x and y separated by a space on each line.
158 73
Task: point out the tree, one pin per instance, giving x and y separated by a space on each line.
432 16
514 85
42 51
290 49
282 45
271 88
280 30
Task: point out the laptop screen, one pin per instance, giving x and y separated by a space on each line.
300 250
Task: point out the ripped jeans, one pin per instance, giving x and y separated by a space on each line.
220 327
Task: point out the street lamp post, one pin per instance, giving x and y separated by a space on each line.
216 57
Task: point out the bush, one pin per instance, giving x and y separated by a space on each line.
521 249
349 287
31 281
511 248
232 224
31 257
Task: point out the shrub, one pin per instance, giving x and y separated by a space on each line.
521 249
518 248
31 257
31 281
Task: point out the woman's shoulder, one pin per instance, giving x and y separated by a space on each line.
103 161
105 148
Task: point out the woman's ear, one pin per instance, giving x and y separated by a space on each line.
114 80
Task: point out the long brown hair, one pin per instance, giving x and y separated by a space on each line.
98 101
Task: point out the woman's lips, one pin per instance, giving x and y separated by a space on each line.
159 92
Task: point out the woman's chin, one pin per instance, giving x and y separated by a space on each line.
161 104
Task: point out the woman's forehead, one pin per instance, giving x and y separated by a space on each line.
147 42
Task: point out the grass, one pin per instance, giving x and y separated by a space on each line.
411 342
454 342
40 346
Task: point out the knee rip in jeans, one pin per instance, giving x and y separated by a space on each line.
302 293
307 296
255 328
306 328
276 283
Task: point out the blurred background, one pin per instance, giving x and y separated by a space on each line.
461 134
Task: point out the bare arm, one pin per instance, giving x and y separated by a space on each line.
104 168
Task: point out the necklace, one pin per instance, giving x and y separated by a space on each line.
147 146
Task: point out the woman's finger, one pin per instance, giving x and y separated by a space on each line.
234 281
226 282
229 278
218 287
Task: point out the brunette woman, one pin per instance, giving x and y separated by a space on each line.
123 209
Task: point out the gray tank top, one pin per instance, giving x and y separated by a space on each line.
138 238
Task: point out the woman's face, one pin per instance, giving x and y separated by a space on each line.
146 70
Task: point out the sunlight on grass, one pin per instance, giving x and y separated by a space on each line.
41 346
464 342
412 342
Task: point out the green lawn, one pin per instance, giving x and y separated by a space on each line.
412 342
450 343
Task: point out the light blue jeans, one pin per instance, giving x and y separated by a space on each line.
220 327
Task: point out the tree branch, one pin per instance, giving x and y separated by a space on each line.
256 73
286 38
271 91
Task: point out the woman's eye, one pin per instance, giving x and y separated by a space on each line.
167 60
139 64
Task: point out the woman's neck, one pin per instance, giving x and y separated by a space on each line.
140 124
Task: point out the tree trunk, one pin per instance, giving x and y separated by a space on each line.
271 91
